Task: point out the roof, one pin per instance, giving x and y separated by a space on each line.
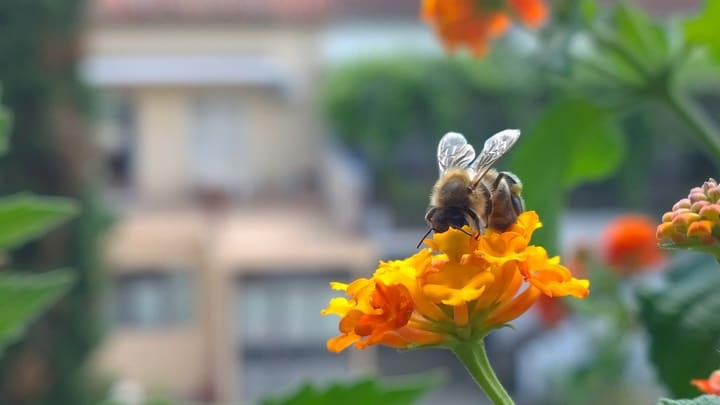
247 10
273 238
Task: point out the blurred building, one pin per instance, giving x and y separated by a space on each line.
232 208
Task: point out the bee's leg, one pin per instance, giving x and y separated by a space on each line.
474 222
515 188
504 209
488 205
518 204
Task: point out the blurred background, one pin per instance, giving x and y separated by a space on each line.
233 157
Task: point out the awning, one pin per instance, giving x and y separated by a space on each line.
181 70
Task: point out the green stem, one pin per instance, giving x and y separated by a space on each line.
705 130
473 356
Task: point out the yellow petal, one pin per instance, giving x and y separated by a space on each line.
337 306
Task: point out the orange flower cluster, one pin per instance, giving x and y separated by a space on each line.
711 385
629 244
694 221
469 287
474 23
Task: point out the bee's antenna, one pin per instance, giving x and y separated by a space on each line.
423 238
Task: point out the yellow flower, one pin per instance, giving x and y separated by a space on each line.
468 287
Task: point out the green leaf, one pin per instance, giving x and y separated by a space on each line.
5 122
574 141
588 11
23 297
636 30
24 217
683 325
703 400
362 392
705 30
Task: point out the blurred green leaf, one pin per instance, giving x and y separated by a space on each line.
25 216
703 400
362 392
588 11
574 141
705 29
637 31
5 122
634 54
683 324
23 297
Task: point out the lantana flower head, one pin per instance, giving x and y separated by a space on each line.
474 23
694 222
458 289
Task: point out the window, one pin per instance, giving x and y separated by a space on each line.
151 298
217 143
116 137
282 334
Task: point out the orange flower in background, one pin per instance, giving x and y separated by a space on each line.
474 23
629 244
711 385
469 287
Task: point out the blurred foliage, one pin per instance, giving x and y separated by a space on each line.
24 217
361 392
683 323
153 401
702 400
601 378
25 297
705 30
49 154
546 177
5 123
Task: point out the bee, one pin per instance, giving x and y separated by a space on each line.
469 191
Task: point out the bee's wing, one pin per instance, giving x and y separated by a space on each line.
454 151
495 147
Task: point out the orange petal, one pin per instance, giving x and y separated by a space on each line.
460 315
513 309
420 337
340 343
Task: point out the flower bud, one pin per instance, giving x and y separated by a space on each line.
694 221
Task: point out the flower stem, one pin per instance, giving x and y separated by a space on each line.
473 356
705 130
